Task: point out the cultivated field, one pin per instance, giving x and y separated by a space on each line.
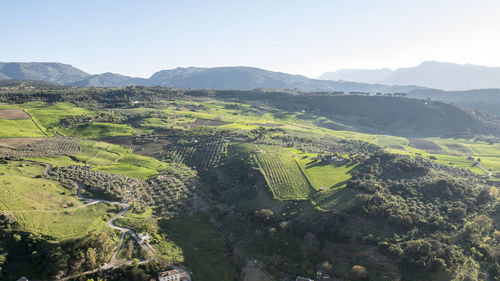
13 114
19 128
18 143
283 175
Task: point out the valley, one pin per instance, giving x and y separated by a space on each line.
286 184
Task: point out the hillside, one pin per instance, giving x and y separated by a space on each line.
269 183
247 78
52 72
430 74
485 100
108 80
380 114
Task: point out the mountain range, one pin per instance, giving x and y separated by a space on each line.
428 75
218 78
431 74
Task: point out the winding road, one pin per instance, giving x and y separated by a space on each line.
113 263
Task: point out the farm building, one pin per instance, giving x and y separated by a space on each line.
303 279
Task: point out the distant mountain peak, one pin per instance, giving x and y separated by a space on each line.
430 74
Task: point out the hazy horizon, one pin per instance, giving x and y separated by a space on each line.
309 39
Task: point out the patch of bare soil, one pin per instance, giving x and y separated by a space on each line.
13 114
253 272
151 146
208 122
18 143
424 144
120 140
268 125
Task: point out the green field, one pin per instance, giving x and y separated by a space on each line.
19 128
98 130
49 116
324 175
44 207
283 175
110 158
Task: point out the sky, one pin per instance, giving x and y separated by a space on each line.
138 38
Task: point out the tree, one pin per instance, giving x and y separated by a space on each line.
283 226
91 258
272 231
309 245
358 272
263 216
130 249
326 266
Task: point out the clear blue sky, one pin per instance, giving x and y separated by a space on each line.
302 37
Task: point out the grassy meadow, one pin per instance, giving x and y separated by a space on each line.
45 207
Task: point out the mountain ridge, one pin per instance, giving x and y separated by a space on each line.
429 74
218 78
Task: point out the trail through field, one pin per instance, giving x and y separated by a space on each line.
488 173
36 123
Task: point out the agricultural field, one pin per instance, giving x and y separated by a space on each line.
13 114
45 207
47 147
203 153
326 175
111 158
19 128
50 116
283 174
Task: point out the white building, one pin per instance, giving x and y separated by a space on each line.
171 275
144 236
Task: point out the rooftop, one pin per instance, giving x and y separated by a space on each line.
168 273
